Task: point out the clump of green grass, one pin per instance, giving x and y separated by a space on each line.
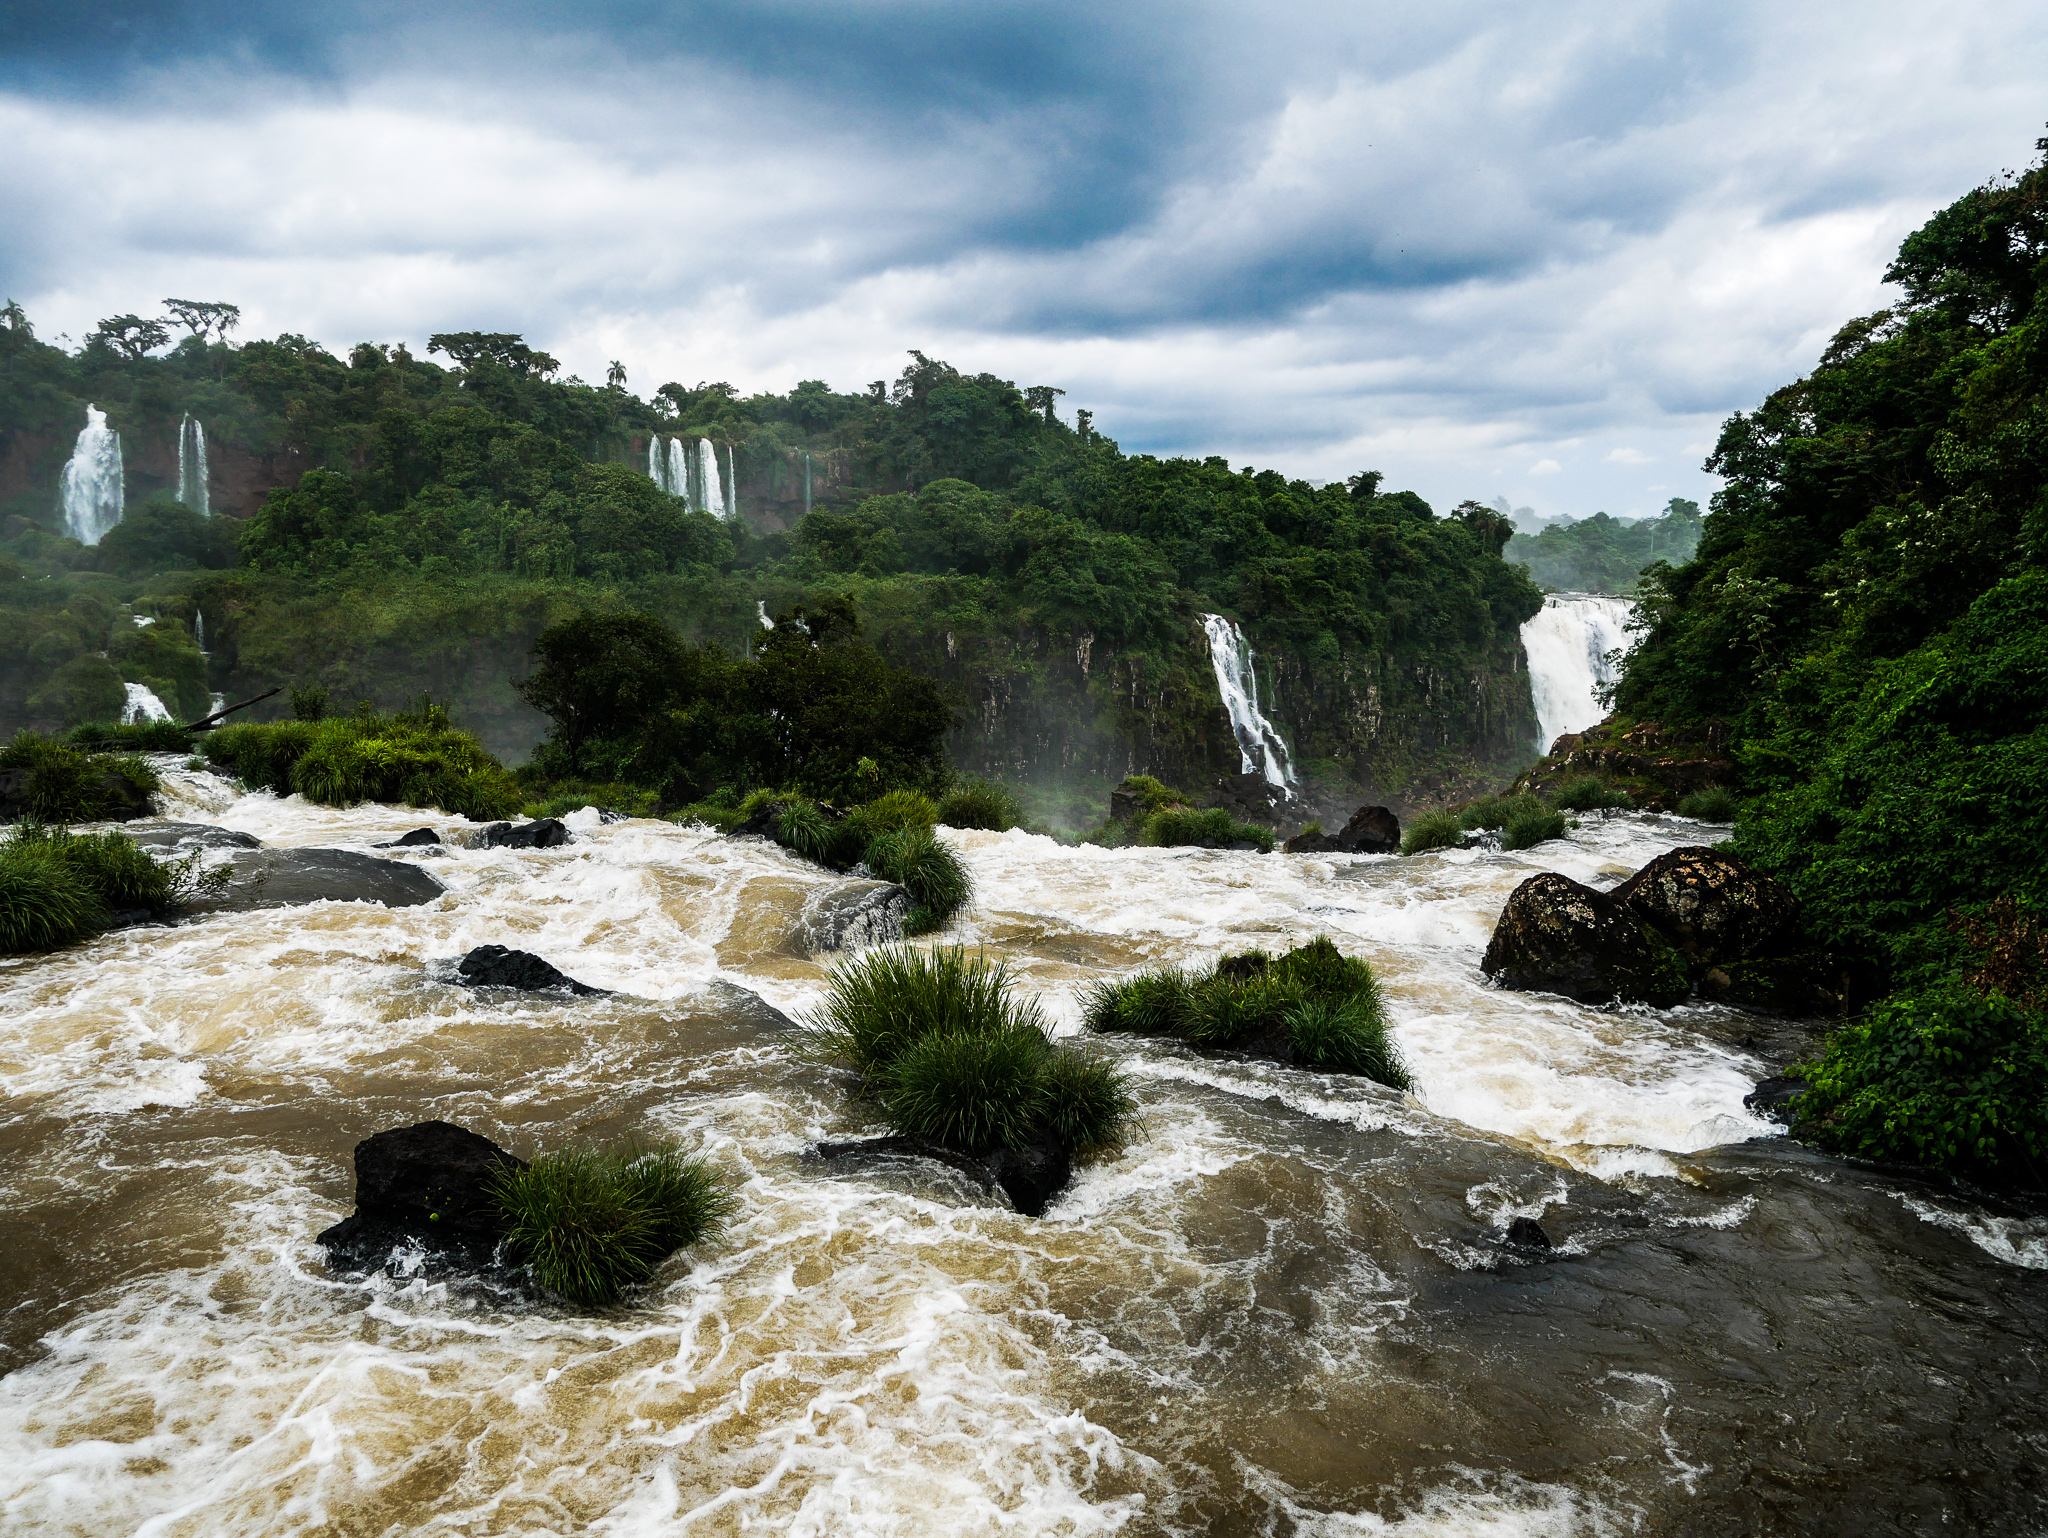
936 878
1497 812
43 903
413 759
1714 804
66 784
984 804
1530 826
1589 793
1432 830
953 1056
591 1224
58 887
1178 827
1324 1004
559 799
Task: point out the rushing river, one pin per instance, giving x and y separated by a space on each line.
1284 1309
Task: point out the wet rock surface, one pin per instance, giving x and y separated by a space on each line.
425 1187
844 918
1774 1097
546 833
494 966
185 837
419 838
1658 765
1371 830
290 878
1712 906
1030 1176
1558 936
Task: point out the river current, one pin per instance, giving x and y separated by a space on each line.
1285 1308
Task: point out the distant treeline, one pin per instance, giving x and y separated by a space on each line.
1605 555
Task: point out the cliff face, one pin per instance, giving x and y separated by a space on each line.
238 478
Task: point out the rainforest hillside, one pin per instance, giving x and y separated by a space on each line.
1606 555
387 525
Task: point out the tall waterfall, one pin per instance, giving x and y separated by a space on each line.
1567 646
91 486
143 705
807 481
732 485
679 471
1258 742
761 608
192 478
199 632
714 493
657 468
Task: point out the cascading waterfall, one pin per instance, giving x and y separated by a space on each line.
732 486
199 632
91 488
1258 741
707 464
761 608
807 482
1567 644
143 705
679 473
192 478
657 468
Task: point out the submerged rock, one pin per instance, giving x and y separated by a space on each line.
1557 936
425 1187
860 913
1774 1097
1371 830
493 966
545 833
1030 1176
289 878
185 837
417 839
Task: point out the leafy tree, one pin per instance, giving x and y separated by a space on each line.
603 676
163 535
128 335
507 351
203 319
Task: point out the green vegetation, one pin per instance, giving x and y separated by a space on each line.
1532 826
915 859
952 1056
58 887
591 1224
1215 828
985 804
1713 804
1589 793
1868 608
1432 830
66 784
893 836
1319 1005
414 758
1604 555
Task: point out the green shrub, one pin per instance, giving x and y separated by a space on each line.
1087 1102
1531 826
60 886
1714 804
983 804
1496 812
898 810
1178 827
1589 793
1157 1003
918 861
1947 1078
1432 830
1313 828
1347 1036
44 902
560 800
1151 795
973 1092
412 759
66 784
801 827
590 1224
883 1001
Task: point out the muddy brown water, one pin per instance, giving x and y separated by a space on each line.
1285 1309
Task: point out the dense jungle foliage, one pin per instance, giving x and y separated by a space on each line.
423 524
1869 606
1605 555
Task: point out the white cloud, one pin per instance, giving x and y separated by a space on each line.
1628 456
1545 467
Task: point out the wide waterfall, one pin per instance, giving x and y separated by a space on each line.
143 705
1258 741
1568 645
713 494
91 487
192 478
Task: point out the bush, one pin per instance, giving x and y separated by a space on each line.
411 759
589 1225
1151 795
67 785
1432 830
937 880
132 737
954 1058
1531 826
558 799
1179 827
1325 1005
57 886
1496 812
1589 793
1714 804
1948 1078
982 804
801 827
44 903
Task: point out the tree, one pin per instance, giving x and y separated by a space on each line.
506 350
129 335
201 318
602 676
615 376
1040 399
15 319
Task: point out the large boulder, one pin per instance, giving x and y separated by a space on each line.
1030 1176
187 837
546 833
1558 936
419 838
493 966
1713 907
847 917
1371 830
289 878
425 1187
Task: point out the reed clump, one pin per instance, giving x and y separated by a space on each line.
69 784
894 836
413 759
58 887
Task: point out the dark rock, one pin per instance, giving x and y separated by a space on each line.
1803 985
493 966
188 836
1030 1176
426 1186
418 838
1372 830
847 917
1309 843
1529 1234
546 833
1123 805
1712 906
288 878
1774 1097
1556 936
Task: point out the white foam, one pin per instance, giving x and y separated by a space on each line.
2016 1241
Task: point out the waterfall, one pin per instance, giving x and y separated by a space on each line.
807 481
761 608
656 471
679 471
1258 742
91 486
143 705
192 477
713 493
199 632
732 486
1567 646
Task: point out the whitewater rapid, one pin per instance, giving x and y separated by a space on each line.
1283 1308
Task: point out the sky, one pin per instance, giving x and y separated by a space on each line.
1536 252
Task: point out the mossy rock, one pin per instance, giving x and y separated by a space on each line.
1559 936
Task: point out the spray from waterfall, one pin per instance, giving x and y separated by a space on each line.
1258 741
91 490
193 482
1568 644
143 705
707 471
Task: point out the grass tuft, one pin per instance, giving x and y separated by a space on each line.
1714 804
1088 1103
1589 793
1432 830
972 1092
1157 1003
1530 826
883 1001
983 804
1179 827
57 887
44 903
917 860
1347 1036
